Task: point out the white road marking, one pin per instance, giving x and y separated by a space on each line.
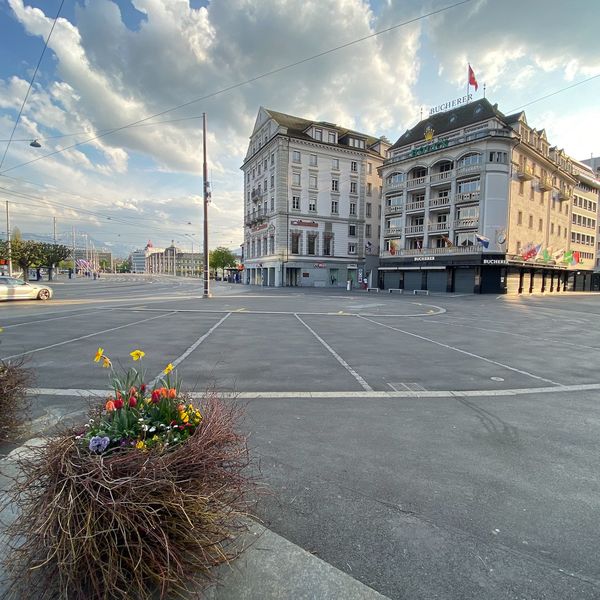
337 357
84 337
564 389
359 306
73 314
181 358
461 351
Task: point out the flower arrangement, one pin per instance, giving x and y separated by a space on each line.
135 415
142 502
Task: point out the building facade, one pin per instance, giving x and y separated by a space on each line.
172 261
311 203
478 201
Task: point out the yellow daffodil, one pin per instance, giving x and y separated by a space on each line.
168 369
99 354
1 330
140 445
137 354
106 364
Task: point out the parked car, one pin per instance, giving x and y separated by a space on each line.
17 289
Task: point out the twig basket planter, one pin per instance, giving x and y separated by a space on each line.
129 522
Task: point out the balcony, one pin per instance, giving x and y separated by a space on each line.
394 209
432 251
414 230
467 197
393 231
545 184
416 182
463 170
256 196
442 177
466 223
255 217
436 203
524 172
394 185
563 194
433 227
413 206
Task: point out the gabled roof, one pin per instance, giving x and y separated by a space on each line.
457 118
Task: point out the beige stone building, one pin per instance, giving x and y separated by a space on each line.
478 201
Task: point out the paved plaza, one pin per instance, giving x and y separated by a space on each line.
429 447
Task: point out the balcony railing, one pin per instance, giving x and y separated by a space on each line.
432 227
394 230
467 197
395 209
419 205
468 169
466 223
564 194
416 182
545 183
432 251
394 185
524 172
256 196
439 202
442 177
414 229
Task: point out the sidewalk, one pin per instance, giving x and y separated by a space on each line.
270 568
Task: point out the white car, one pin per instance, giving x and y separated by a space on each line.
16 289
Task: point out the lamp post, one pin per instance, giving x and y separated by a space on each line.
206 292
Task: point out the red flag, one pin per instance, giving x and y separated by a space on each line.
472 79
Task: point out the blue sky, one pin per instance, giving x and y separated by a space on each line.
111 62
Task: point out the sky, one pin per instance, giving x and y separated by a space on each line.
110 63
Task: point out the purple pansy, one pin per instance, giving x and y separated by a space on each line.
99 444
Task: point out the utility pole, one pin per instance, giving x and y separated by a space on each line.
8 242
54 227
205 293
73 251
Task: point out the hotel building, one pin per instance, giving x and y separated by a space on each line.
478 201
311 203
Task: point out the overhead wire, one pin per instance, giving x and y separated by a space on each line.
245 82
31 84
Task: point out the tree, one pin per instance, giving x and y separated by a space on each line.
221 258
52 254
124 266
26 254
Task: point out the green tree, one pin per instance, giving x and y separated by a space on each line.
124 266
52 254
27 254
221 258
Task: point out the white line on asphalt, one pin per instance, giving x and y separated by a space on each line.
84 337
565 389
181 358
471 354
337 357
72 314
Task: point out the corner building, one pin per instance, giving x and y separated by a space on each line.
312 194
475 201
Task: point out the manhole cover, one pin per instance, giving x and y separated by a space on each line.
497 378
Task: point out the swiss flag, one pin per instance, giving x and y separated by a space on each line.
472 79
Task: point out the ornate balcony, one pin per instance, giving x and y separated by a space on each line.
432 251
437 203
442 177
545 184
394 185
393 231
256 196
433 227
467 197
394 209
414 229
524 173
466 223
416 182
463 170
413 206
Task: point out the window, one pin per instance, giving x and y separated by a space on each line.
530 221
319 134
521 188
469 159
265 164
540 225
312 182
353 187
312 205
331 137
272 181
369 189
552 228
248 177
259 169
369 168
295 156
295 202
313 160
368 232
464 239
295 178
368 209
531 191
272 158
272 244
265 185
469 185
272 203
335 185
335 164
295 243
334 207
498 157
558 231
354 166
353 208
311 247
351 248
351 230
327 244
520 218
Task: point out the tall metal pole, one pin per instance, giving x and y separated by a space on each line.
206 292
74 263
54 227
8 242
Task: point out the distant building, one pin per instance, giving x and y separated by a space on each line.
311 203
478 201
172 261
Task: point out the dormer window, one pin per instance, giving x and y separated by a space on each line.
331 137
319 135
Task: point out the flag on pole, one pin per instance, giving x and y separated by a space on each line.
447 241
472 79
484 241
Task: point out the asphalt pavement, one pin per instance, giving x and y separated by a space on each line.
427 447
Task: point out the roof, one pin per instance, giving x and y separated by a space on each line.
457 118
296 127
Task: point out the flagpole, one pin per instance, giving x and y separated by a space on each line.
468 86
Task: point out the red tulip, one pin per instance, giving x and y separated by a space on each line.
119 403
132 401
156 396
143 388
